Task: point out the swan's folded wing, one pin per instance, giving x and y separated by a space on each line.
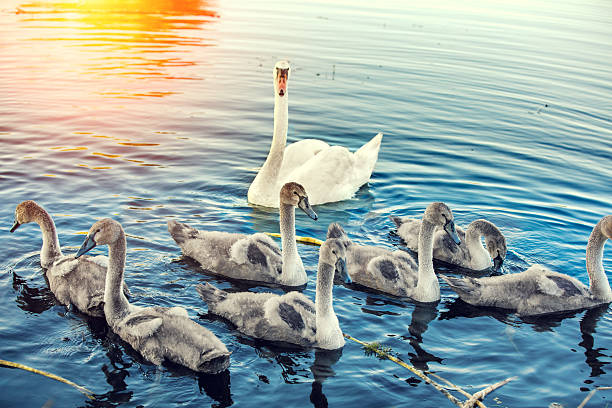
141 324
553 284
298 153
266 241
63 266
245 250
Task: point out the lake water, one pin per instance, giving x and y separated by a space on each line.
150 110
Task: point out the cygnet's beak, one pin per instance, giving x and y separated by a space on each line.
305 206
497 262
341 270
16 225
450 230
87 246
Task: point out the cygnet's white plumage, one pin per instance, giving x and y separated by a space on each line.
328 173
397 273
158 333
470 254
74 282
251 257
292 317
538 290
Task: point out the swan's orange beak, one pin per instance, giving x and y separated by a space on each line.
282 75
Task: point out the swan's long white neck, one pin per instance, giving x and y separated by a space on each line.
116 306
329 335
50 250
599 285
267 181
293 269
479 256
427 288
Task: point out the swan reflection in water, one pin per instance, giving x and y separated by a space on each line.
543 323
30 297
321 370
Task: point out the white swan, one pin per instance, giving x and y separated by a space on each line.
158 333
251 257
76 282
470 254
292 317
328 173
538 290
397 273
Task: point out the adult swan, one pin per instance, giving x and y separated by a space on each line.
328 173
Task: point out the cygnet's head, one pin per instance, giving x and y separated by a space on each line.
295 195
26 211
103 232
333 252
439 214
496 246
281 76
606 226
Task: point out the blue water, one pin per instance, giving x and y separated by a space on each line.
150 110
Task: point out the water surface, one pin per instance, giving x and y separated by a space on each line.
146 111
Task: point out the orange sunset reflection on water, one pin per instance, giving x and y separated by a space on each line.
108 46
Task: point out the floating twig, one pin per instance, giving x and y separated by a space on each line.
483 393
83 390
458 389
301 240
413 369
473 399
590 395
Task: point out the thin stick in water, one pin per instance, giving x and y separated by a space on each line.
83 390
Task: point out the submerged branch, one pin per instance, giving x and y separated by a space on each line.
83 390
590 395
473 399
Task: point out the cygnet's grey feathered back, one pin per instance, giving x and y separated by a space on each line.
445 249
538 290
251 257
292 317
288 318
77 282
393 272
160 333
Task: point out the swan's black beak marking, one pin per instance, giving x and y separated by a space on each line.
87 246
16 225
305 206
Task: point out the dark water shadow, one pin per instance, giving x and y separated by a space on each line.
542 323
422 315
31 298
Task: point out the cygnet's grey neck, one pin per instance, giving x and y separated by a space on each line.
473 243
50 250
427 288
291 258
599 285
323 296
115 303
